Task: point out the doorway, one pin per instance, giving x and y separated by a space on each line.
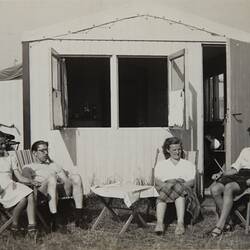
214 91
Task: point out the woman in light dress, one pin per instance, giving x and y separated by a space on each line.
14 195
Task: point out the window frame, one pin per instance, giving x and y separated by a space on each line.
114 88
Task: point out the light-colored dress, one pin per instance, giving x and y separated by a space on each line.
13 192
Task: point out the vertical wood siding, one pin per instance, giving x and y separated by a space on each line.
105 155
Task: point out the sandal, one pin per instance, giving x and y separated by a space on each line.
228 228
14 230
216 232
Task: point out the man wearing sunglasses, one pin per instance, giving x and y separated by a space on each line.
49 175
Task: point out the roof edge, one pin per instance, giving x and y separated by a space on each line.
149 8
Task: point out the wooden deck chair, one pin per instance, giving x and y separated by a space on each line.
25 157
245 219
188 155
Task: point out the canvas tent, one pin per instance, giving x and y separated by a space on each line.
14 72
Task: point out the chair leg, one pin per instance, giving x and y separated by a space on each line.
247 218
6 224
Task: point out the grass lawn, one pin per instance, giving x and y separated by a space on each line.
106 237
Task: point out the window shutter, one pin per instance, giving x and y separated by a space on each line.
177 107
59 91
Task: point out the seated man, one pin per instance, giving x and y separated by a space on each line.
49 174
228 184
173 178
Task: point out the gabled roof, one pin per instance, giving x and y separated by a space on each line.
150 8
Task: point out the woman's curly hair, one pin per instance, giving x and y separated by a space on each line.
168 142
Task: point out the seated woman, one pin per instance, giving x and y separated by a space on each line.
173 178
13 194
228 184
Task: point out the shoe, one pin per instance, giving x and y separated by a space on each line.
216 232
228 228
159 228
81 224
32 232
14 230
180 229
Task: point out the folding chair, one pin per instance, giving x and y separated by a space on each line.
7 216
25 157
191 156
245 219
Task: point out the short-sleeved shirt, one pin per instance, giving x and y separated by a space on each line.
167 170
243 161
43 171
7 165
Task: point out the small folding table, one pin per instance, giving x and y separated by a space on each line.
129 193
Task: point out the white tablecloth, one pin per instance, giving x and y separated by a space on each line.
128 192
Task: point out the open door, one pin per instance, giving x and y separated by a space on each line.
238 101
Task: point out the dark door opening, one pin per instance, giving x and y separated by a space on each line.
214 90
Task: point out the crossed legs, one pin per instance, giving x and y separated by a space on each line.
223 197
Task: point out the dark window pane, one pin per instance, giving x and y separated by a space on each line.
143 92
88 91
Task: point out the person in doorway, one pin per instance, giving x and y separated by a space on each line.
174 178
14 195
228 184
49 175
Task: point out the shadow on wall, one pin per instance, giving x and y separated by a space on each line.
189 137
69 139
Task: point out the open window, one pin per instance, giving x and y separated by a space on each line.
80 91
177 105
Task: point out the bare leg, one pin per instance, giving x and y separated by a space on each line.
217 191
230 190
160 214
180 209
48 187
31 210
160 211
17 210
77 190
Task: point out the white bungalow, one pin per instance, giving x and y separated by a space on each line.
106 90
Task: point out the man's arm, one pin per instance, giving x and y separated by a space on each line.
21 178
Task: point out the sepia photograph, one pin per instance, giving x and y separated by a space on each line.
124 124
